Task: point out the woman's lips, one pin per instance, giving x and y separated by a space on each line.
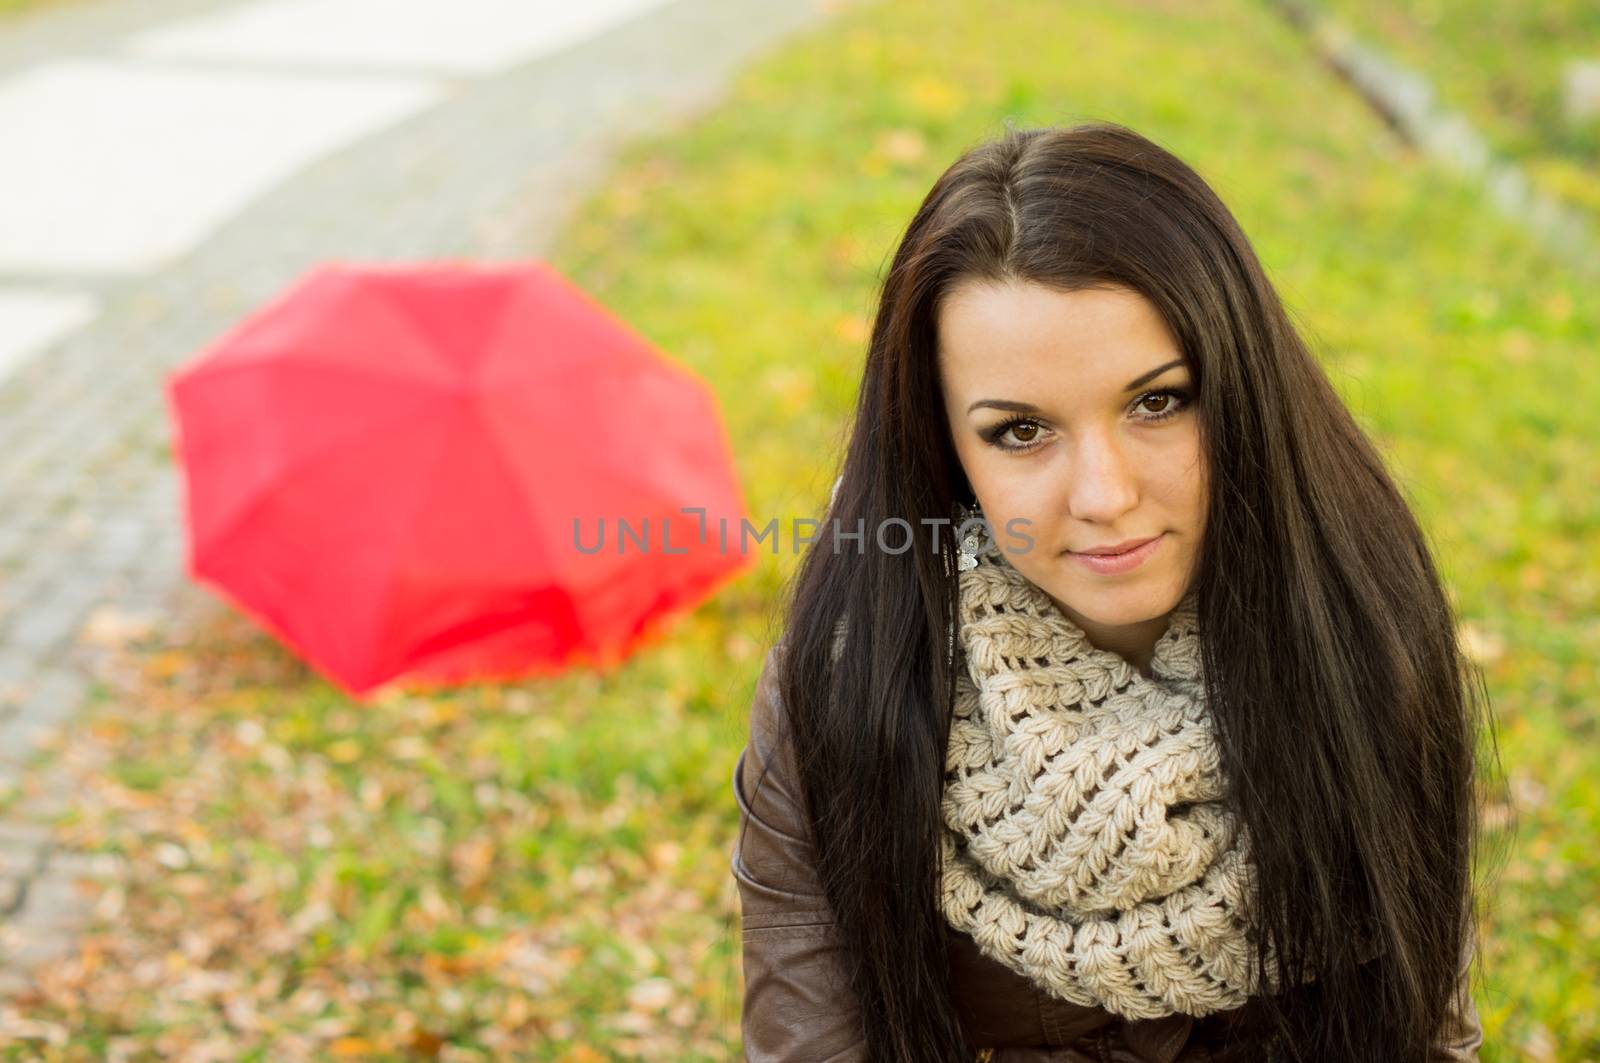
1114 564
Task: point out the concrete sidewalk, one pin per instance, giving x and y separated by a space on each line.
174 164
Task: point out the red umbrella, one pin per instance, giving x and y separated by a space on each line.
405 471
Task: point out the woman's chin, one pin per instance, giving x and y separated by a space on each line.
1110 607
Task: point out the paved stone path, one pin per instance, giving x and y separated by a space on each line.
184 161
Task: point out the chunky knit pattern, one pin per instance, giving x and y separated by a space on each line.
1086 846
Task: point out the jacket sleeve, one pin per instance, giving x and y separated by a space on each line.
1462 1034
797 1003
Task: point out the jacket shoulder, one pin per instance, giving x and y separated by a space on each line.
774 857
797 1001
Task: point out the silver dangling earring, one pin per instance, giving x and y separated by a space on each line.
967 555
967 552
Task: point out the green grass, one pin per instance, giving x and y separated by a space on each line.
1503 65
540 871
20 7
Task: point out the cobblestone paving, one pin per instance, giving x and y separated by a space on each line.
90 522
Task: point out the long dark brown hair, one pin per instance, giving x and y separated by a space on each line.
1346 714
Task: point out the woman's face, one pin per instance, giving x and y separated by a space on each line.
1073 410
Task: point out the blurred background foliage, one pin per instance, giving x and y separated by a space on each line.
1527 75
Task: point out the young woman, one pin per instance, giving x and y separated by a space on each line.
1134 726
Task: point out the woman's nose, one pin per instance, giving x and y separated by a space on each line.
1103 486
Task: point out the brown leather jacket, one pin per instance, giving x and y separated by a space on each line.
798 1008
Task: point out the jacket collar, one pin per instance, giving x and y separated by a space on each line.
1158 1040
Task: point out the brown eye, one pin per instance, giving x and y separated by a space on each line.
1171 402
1018 434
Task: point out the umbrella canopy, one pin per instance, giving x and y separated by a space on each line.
406 471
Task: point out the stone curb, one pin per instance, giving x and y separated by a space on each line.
1408 103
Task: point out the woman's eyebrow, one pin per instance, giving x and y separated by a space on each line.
1011 406
1004 404
1157 371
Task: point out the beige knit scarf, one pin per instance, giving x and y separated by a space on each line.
1086 846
